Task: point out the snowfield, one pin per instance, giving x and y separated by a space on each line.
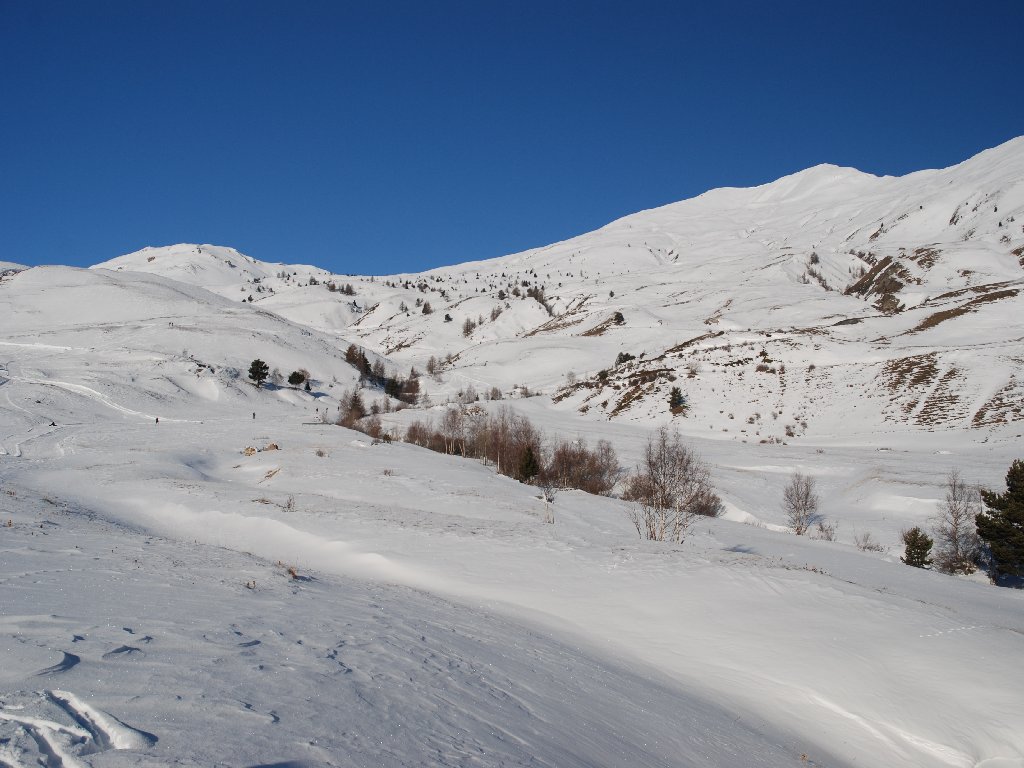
169 597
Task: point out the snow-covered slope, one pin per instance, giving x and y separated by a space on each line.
432 616
143 345
242 584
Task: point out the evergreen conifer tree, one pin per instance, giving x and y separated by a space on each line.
1001 524
918 548
528 465
676 400
258 372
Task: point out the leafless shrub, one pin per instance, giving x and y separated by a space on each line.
548 493
825 530
800 502
866 542
671 488
574 465
371 426
419 433
956 538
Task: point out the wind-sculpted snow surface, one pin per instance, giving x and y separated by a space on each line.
321 671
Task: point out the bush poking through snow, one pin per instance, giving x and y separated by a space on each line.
866 542
825 530
800 502
671 488
572 464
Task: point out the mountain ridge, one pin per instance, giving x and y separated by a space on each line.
857 272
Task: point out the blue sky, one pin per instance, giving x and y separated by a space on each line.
378 137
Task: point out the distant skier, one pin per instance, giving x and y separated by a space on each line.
157 419
254 415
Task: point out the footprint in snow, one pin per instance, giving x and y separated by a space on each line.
57 743
69 661
123 652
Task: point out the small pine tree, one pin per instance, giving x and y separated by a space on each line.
1001 524
676 400
528 465
295 378
918 547
258 372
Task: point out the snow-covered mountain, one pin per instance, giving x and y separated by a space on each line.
821 292
197 571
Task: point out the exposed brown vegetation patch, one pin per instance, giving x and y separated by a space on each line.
559 323
1005 405
939 317
948 314
690 342
571 317
630 397
943 403
925 257
888 304
910 378
404 344
885 276
1019 253
604 325
911 372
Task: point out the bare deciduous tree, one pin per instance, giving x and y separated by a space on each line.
956 536
800 501
453 430
671 488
